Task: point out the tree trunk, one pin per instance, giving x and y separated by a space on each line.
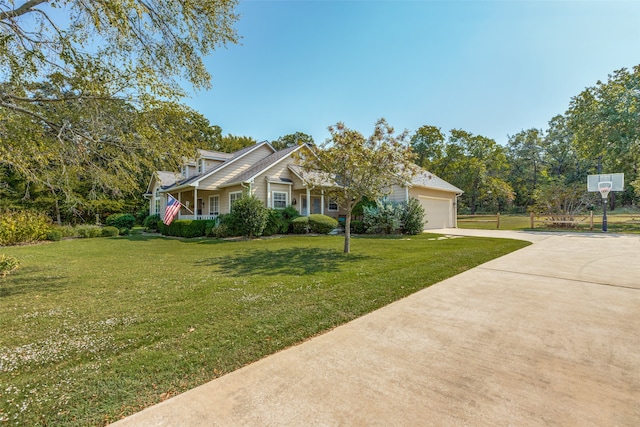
347 231
56 206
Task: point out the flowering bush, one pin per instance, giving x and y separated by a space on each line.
22 227
384 217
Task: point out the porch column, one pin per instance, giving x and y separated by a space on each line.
269 202
180 200
406 194
308 201
195 202
322 202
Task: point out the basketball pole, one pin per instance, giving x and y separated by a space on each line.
604 213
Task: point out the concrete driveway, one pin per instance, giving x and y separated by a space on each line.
547 335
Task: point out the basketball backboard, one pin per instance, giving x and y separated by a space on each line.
616 180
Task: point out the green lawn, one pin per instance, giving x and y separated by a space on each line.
96 329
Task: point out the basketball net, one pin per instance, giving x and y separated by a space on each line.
604 188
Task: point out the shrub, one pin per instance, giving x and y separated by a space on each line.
7 264
88 231
110 231
184 228
277 223
121 220
412 217
54 235
249 216
209 225
357 227
67 231
322 224
151 222
300 225
384 217
22 227
289 213
220 231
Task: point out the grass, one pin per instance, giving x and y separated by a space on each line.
93 330
618 222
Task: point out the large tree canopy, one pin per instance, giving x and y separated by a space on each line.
89 88
348 166
146 44
605 120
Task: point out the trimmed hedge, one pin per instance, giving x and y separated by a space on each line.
322 224
110 231
183 228
300 225
88 231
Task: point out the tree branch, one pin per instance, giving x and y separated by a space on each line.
25 8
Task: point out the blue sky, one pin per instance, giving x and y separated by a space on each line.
491 68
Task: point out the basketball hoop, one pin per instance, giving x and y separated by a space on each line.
604 187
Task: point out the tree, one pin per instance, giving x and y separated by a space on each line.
428 145
479 166
525 157
231 143
90 87
148 44
348 166
291 140
605 120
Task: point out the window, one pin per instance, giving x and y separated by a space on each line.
157 207
214 205
233 197
185 171
333 206
200 166
279 200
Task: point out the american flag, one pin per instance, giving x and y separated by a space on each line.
173 207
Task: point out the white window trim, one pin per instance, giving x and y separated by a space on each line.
239 193
329 206
200 168
273 199
211 198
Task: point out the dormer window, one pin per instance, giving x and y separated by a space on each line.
200 166
185 171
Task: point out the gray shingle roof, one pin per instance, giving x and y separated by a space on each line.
232 156
261 166
429 180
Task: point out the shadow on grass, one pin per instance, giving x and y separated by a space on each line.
286 261
23 282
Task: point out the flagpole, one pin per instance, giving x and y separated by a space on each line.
182 204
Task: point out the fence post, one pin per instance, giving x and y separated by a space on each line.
531 213
498 220
590 220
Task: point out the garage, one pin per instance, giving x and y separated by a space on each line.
438 212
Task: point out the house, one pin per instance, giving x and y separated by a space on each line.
209 184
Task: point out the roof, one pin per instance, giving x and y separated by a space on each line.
215 155
261 166
165 178
429 180
232 157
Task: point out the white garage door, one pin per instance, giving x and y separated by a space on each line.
437 212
